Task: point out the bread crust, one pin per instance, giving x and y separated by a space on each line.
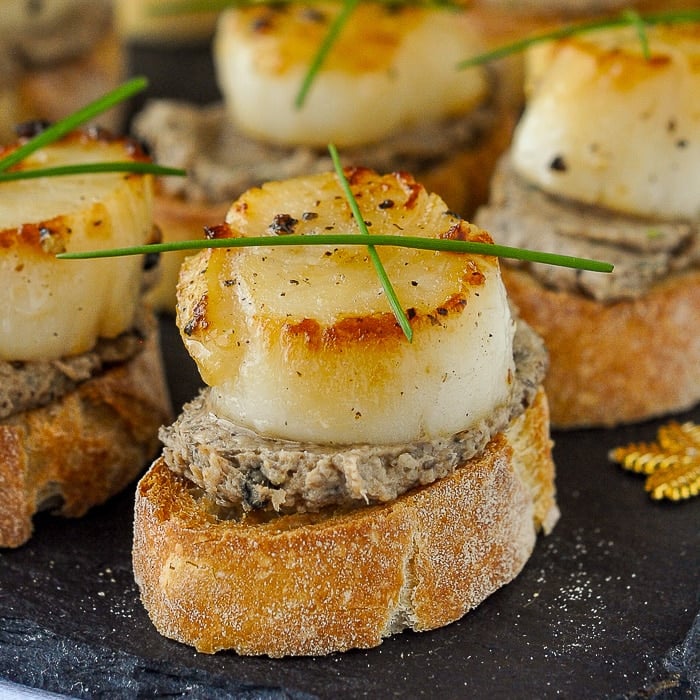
310 584
618 362
79 451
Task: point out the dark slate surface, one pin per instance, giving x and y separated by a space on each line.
607 607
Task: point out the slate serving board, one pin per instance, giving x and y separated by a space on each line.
607 607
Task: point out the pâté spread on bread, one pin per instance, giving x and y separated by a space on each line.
335 483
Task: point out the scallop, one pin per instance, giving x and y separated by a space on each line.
53 308
300 342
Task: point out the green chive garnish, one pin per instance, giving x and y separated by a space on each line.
374 256
71 122
626 18
323 50
446 245
635 19
89 168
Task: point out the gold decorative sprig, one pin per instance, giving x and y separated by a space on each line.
625 19
671 464
64 126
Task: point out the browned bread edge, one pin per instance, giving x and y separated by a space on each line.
312 584
79 451
620 362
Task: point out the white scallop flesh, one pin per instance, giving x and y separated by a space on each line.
389 69
300 343
54 308
606 126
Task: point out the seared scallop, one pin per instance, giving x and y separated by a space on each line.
54 308
301 343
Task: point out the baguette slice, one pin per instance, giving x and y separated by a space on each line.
619 362
79 451
310 584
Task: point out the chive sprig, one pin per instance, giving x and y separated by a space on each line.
91 168
624 19
63 127
446 245
327 43
393 300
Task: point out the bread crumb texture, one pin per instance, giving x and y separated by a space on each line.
315 583
82 449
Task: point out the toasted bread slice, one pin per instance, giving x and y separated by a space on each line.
618 362
75 453
308 584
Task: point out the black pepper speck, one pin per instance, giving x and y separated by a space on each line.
558 164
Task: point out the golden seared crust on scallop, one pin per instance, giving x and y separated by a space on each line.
607 126
301 343
69 304
311 584
80 450
621 362
403 72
